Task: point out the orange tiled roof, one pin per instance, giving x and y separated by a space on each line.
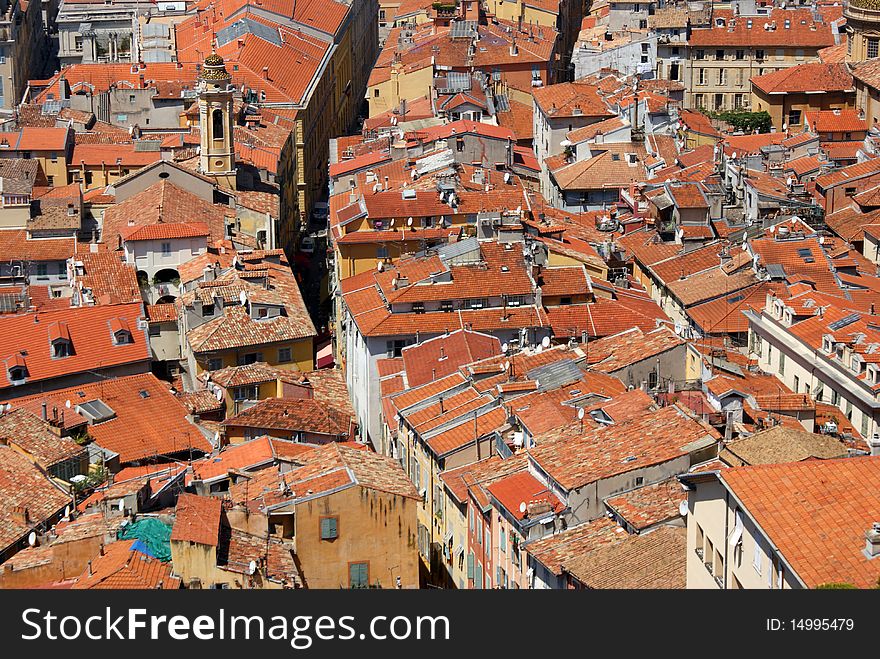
816 513
574 460
148 420
197 520
89 332
119 567
804 78
790 26
24 485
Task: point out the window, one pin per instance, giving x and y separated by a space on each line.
740 54
759 55
284 355
245 393
375 93
864 425
719 101
722 76
166 249
329 528
701 77
872 47
640 480
719 55
794 118
835 397
849 410
478 575
470 519
446 305
502 541
358 575
155 330
250 358
756 560
700 54
698 101
382 252
217 125
61 348
781 363
478 303
470 565
262 312
780 54
797 384
737 101
799 54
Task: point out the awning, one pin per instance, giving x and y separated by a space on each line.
325 356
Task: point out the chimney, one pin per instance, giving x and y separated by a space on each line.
872 541
44 414
21 515
265 73
90 569
141 81
385 186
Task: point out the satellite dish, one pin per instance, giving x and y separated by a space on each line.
523 507
67 403
821 240
580 413
67 511
409 221
121 505
733 155
252 567
745 246
506 366
394 283
784 126
773 229
32 539
565 143
391 224
545 342
380 266
217 438
504 347
507 177
683 508
242 298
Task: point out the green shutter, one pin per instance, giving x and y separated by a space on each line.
470 568
358 575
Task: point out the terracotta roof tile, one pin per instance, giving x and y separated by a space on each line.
23 485
197 520
120 567
816 512
144 425
650 505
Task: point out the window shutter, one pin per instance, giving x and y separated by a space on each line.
470 565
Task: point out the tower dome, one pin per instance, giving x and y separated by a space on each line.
863 29
214 68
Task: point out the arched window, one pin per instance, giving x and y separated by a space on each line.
217 132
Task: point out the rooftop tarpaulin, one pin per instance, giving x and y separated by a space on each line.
153 536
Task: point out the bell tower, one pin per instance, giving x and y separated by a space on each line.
217 152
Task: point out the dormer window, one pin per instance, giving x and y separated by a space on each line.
59 339
17 369
121 332
827 344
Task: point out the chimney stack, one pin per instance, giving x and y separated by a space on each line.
872 541
265 73
44 414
